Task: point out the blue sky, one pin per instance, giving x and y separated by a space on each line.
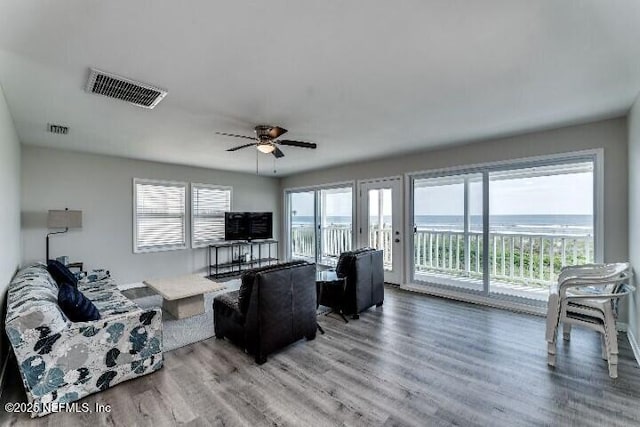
567 194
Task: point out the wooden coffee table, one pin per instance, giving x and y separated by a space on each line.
183 296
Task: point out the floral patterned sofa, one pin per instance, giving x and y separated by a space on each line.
61 361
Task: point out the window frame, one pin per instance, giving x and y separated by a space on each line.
596 156
194 244
164 248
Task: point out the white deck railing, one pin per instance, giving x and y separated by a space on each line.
513 257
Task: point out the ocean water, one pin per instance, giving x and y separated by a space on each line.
574 224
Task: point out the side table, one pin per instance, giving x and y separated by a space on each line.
330 290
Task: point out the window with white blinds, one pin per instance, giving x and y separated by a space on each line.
159 215
208 205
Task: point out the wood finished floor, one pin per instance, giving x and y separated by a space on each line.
418 360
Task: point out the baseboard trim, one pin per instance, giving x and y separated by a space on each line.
634 345
622 327
475 299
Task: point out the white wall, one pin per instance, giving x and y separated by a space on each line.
611 135
634 214
10 210
101 186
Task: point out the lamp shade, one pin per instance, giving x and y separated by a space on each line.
64 219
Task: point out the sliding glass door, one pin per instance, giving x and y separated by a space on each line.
336 223
505 230
447 218
302 214
541 220
320 223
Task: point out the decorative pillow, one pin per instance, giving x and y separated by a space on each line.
75 305
246 286
61 274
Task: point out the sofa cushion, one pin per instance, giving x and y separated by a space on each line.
248 277
32 301
76 306
109 301
61 274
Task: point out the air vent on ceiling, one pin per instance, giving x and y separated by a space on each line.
63 130
114 86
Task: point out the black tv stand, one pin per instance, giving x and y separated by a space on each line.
231 258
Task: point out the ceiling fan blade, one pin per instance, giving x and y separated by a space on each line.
241 146
276 131
235 136
297 143
277 152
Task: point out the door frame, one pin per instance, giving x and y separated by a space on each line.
362 238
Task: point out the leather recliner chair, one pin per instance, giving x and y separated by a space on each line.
364 271
274 307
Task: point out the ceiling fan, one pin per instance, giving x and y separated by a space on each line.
266 140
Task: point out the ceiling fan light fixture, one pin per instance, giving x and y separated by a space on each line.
267 141
266 148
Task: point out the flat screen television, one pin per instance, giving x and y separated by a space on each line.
248 225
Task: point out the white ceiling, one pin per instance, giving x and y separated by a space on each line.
363 79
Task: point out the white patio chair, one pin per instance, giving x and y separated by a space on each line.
588 295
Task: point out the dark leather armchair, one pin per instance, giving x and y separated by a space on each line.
275 306
364 271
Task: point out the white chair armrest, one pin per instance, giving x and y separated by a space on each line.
624 292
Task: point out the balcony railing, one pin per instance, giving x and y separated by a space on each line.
533 259
513 257
335 240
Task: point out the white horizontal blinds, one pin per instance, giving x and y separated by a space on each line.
160 216
208 204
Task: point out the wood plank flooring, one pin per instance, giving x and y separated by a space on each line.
416 361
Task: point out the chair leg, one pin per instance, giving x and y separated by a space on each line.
612 338
612 354
553 322
551 354
566 331
613 370
604 349
551 347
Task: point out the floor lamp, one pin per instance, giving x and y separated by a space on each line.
63 219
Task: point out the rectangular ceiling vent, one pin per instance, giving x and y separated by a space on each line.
62 130
114 86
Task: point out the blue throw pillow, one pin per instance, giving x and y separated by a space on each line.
61 274
75 305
